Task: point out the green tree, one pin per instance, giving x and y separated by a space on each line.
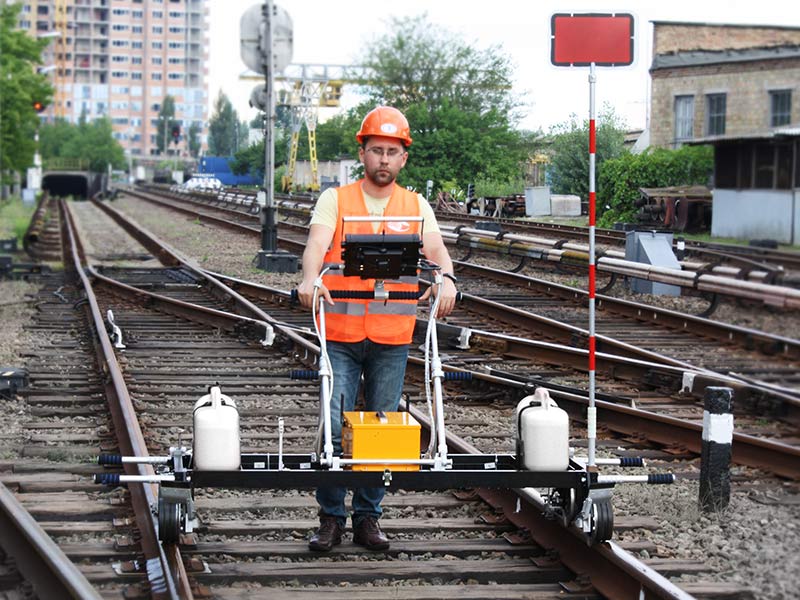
458 100
194 138
21 87
166 121
420 63
620 179
569 151
86 141
222 127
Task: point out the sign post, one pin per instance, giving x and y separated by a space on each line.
266 46
580 40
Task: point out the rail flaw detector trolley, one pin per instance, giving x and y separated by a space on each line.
575 494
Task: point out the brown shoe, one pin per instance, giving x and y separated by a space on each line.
328 535
368 533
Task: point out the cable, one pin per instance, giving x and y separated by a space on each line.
428 335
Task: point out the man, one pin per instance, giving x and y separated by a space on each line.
365 336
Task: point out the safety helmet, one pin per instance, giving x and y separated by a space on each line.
385 121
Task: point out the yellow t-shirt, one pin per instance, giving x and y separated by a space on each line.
326 211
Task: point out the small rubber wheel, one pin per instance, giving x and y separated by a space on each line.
602 521
169 521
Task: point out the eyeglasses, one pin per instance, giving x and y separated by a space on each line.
380 152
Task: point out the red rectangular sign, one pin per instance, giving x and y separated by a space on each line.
582 39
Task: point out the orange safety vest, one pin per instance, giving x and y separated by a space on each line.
391 322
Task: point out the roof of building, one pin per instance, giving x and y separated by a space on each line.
736 25
696 58
790 132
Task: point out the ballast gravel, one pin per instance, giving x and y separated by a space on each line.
755 542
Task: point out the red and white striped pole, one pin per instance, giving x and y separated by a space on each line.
591 413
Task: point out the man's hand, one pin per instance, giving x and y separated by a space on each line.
305 293
448 299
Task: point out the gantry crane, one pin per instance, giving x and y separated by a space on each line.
304 88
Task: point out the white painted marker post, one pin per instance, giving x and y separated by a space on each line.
715 456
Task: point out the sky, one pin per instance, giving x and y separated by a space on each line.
337 32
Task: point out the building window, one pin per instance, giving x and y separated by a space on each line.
155 76
684 118
715 114
780 103
158 29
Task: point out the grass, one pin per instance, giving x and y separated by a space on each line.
14 218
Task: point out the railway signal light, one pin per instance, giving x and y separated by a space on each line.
176 133
38 106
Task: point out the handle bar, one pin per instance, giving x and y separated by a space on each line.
365 295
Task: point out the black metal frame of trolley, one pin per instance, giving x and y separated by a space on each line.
577 495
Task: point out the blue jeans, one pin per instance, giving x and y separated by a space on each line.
384 369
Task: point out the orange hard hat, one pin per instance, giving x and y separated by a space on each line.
385 121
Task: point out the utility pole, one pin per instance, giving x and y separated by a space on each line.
275 26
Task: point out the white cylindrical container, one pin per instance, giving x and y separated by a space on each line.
542 433
216 433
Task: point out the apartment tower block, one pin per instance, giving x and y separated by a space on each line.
120 59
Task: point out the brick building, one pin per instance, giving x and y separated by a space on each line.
736 87
712 80
121 58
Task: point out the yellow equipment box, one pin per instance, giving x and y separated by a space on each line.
388 435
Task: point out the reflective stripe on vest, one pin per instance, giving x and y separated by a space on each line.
391 322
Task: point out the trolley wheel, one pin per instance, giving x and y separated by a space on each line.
602 520
567 505
169 521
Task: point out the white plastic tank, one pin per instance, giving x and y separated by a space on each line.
542 433
216 433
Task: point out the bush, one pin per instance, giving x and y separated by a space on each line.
619 179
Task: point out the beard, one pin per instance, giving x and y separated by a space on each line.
379 176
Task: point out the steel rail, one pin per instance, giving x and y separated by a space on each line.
165 569
615 237
48 570
681 378
772 295
750 338
776 457
624 361
614 572
640 577
751 394
747 256
561 251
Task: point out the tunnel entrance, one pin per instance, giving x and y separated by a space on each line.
67 184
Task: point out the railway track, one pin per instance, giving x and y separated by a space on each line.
777 263
764 366
165 357
751 282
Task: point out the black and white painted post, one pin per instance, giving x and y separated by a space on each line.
715 456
